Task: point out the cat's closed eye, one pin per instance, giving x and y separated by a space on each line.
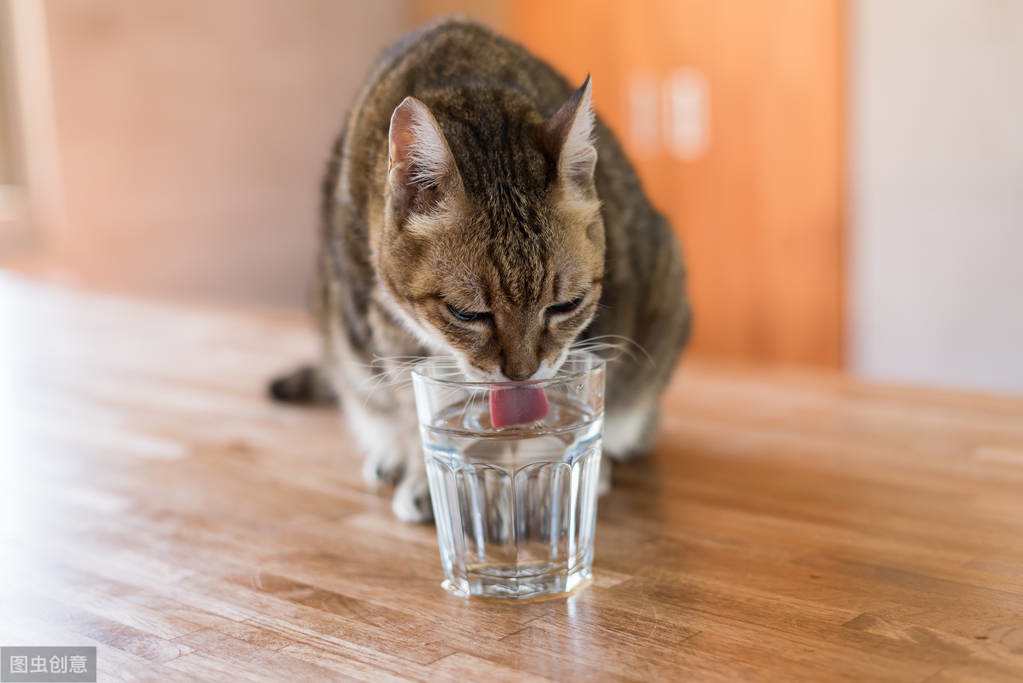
565 306
468 316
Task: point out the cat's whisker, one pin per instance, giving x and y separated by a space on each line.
396 361
394 372
390 364
625 340
367 391
394 386
598 347
613 356
465 407
619 337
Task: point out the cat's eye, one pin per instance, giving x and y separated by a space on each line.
565 306
467 316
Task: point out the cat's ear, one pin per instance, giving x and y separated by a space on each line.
421 167
569 137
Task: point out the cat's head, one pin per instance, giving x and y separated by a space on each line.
493 244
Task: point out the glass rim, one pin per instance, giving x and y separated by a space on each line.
596 363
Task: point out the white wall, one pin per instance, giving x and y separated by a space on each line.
936 229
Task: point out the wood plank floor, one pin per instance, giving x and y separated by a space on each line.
789 526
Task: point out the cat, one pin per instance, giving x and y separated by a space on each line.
476 207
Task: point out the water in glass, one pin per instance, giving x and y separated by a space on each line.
515 508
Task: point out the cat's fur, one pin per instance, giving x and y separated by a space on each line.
465 177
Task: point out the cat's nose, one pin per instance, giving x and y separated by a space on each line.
520 369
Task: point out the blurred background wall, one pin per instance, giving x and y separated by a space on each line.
192 136
937 205
844 175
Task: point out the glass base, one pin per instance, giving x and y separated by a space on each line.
510 582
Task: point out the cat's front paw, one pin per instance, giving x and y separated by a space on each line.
383 467
604 481
412 499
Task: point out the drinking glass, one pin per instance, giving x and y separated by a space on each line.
513 470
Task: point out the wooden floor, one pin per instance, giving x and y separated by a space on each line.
788 526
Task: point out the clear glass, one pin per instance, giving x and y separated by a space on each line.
516 505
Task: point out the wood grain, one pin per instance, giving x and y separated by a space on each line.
790 525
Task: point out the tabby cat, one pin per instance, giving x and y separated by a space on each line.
465 213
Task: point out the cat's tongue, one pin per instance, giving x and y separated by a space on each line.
517 406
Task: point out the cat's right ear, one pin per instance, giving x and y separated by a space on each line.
568 136
421 167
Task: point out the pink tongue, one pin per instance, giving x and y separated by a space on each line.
517 406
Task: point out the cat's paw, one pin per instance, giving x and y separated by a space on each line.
383 467
604 481
629 434
624 455
412 499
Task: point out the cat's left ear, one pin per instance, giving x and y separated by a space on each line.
421 167
569 137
